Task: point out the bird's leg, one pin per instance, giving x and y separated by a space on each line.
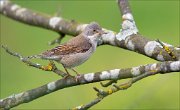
66 72
76 72
78 75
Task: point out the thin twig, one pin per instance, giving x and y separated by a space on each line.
127 38
102 94
108 83
36 65
57 40
168 50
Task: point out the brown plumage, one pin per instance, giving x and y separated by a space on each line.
77 50
77 44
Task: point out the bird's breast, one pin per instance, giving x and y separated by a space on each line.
73 60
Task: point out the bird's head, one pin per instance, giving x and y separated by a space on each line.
93 31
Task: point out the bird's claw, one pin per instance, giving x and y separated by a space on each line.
78 76
68 75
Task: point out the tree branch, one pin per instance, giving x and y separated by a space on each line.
30 17
115 74
57 40
102 94
128 37
52 67
124 7
127 17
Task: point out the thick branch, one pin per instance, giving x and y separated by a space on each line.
124 6
30 17
115 74
128 37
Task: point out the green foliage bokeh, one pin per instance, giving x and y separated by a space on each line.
155 19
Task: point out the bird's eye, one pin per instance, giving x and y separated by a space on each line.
94 30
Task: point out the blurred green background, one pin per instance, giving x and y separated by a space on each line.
155 19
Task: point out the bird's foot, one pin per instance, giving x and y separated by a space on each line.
68 75
78 76
76 72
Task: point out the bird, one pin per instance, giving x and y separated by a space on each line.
75 51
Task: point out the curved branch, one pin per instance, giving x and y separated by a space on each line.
30 17
128 37
115 74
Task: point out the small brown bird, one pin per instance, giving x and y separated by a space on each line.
77 50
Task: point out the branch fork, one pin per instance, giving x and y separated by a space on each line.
128 38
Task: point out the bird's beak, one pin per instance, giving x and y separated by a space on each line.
101 32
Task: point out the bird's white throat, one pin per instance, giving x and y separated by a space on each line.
93 39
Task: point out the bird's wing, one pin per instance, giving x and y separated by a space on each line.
68 49
76 45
